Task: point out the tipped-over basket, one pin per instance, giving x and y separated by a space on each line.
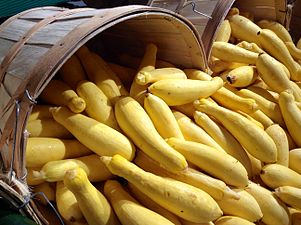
34 45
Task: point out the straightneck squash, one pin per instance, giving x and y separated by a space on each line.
94 206
255 140
137 125
184 200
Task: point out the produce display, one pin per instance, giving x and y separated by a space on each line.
141 141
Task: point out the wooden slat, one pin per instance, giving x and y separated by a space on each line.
4 47
5 118
5 156
12 83
54 32
5 97
42 13
281 5
85 14
25 60
153 25
16 29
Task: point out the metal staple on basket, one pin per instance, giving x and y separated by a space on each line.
193 4
31 99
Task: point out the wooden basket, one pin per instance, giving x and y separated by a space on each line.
207 15
34 45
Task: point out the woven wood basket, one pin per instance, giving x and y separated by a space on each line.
34 45
207 15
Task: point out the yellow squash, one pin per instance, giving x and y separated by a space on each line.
242 76
55 170
218 164
137 125
250 136
216 188
269 108
229 52
250 46
47 127
254 121
94 206
147 64
72 72
224 138
245 207
277 28
98 137
275 175
262 118
232 101
146 77
67 205
225 97
232 220
291 115
271 96
243 28
40 112
150 204
110 73
296 92
128 210
272 73
294 51
295 159
275 46
97 74
278 134
59 93
162 117
218 65
98 106
171 90
274 211
290 195
194 204
52 149
193 132
291 142
223 32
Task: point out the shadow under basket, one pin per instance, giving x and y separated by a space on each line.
34 45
